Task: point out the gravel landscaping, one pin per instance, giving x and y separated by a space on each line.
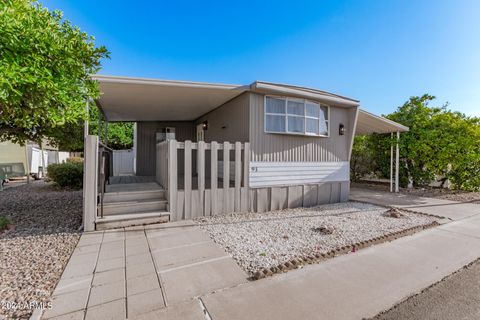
264 240
34 254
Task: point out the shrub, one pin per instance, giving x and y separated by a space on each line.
3 223
75 160
66 175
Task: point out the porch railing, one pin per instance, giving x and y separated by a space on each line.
213 179
105 168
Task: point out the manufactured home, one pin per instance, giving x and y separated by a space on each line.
204 149
19 161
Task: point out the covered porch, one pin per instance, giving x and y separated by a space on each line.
172 164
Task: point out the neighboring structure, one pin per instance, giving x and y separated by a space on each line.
19 161
216 148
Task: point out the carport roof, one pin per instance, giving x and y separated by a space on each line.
368 123
141 99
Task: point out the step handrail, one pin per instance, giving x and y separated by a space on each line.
104 172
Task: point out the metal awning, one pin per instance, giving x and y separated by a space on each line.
368 123
139 99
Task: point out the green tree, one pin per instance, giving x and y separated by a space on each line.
45 68
440 143
70 137
419 145
120 135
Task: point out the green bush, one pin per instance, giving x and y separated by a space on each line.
3 223
75 160
66 175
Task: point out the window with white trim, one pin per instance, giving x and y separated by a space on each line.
296 116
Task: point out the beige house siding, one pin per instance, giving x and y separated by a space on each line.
229 122
292 148
146 146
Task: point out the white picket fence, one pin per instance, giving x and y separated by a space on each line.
208 196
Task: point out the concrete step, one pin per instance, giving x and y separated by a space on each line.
132 219
111 197
133 206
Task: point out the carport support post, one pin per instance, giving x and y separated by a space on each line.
397 163
106 133
99 127
391 162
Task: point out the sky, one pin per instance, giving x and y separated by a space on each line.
380 52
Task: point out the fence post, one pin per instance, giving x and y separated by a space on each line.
201 173
213 177
90 182
172 179
246 165
238 174
226 176
188 180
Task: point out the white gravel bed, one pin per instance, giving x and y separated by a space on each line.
30 268
264 240
33 256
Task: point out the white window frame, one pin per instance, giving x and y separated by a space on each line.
286 115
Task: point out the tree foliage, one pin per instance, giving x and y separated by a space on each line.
440 143
70 138
45 68
362 162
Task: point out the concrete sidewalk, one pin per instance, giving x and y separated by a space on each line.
452 210
175 271
356 285
142 273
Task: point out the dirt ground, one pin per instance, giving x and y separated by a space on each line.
440 193
455 297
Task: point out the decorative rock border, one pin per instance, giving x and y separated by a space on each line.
318 257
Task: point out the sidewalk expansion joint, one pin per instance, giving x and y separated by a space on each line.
205 311
159 278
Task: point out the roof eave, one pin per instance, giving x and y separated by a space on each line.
165 83
265 87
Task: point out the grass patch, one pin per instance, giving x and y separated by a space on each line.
4 222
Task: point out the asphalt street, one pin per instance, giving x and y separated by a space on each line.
457 297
